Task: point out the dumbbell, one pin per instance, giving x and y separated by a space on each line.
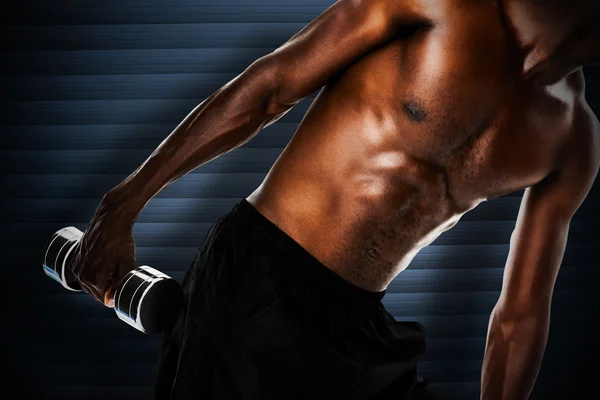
146 299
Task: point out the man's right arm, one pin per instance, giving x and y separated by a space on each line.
232 115
265 91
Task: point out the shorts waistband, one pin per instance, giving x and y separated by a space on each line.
303 264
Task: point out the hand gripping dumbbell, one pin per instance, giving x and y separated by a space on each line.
146 299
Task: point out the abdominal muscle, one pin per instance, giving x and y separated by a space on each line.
363 211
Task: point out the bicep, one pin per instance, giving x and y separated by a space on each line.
540 235
536 250
340 35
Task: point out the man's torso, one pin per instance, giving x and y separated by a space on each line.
411 137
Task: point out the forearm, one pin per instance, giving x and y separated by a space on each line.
224 121
514 351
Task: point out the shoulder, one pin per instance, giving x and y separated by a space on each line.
583 141
407 10
373 16
581 144
578 159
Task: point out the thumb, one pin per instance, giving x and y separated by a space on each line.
109 297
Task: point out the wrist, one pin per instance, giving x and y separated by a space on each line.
122 203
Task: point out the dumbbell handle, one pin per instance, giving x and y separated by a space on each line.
146 299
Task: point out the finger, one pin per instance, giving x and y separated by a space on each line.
103 281
109 297
80 275
86 288
90 282
116 276
95 293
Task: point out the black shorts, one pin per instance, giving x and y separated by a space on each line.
265 320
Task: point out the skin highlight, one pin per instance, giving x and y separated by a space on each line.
426 109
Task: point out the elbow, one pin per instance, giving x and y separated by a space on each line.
523 331
516 303
267 74
513 316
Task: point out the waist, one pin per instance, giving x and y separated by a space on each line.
367 242
298 261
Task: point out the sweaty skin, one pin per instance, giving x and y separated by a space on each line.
427 109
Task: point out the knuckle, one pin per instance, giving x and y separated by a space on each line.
87 277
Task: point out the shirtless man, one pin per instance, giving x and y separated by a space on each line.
428 108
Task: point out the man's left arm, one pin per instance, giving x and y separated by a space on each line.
519 323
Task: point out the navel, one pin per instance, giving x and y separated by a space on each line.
414 111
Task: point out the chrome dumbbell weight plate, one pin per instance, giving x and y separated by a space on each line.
56 256
148 300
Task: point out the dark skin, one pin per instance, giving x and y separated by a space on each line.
428 108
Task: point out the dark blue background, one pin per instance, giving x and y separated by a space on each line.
90 88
